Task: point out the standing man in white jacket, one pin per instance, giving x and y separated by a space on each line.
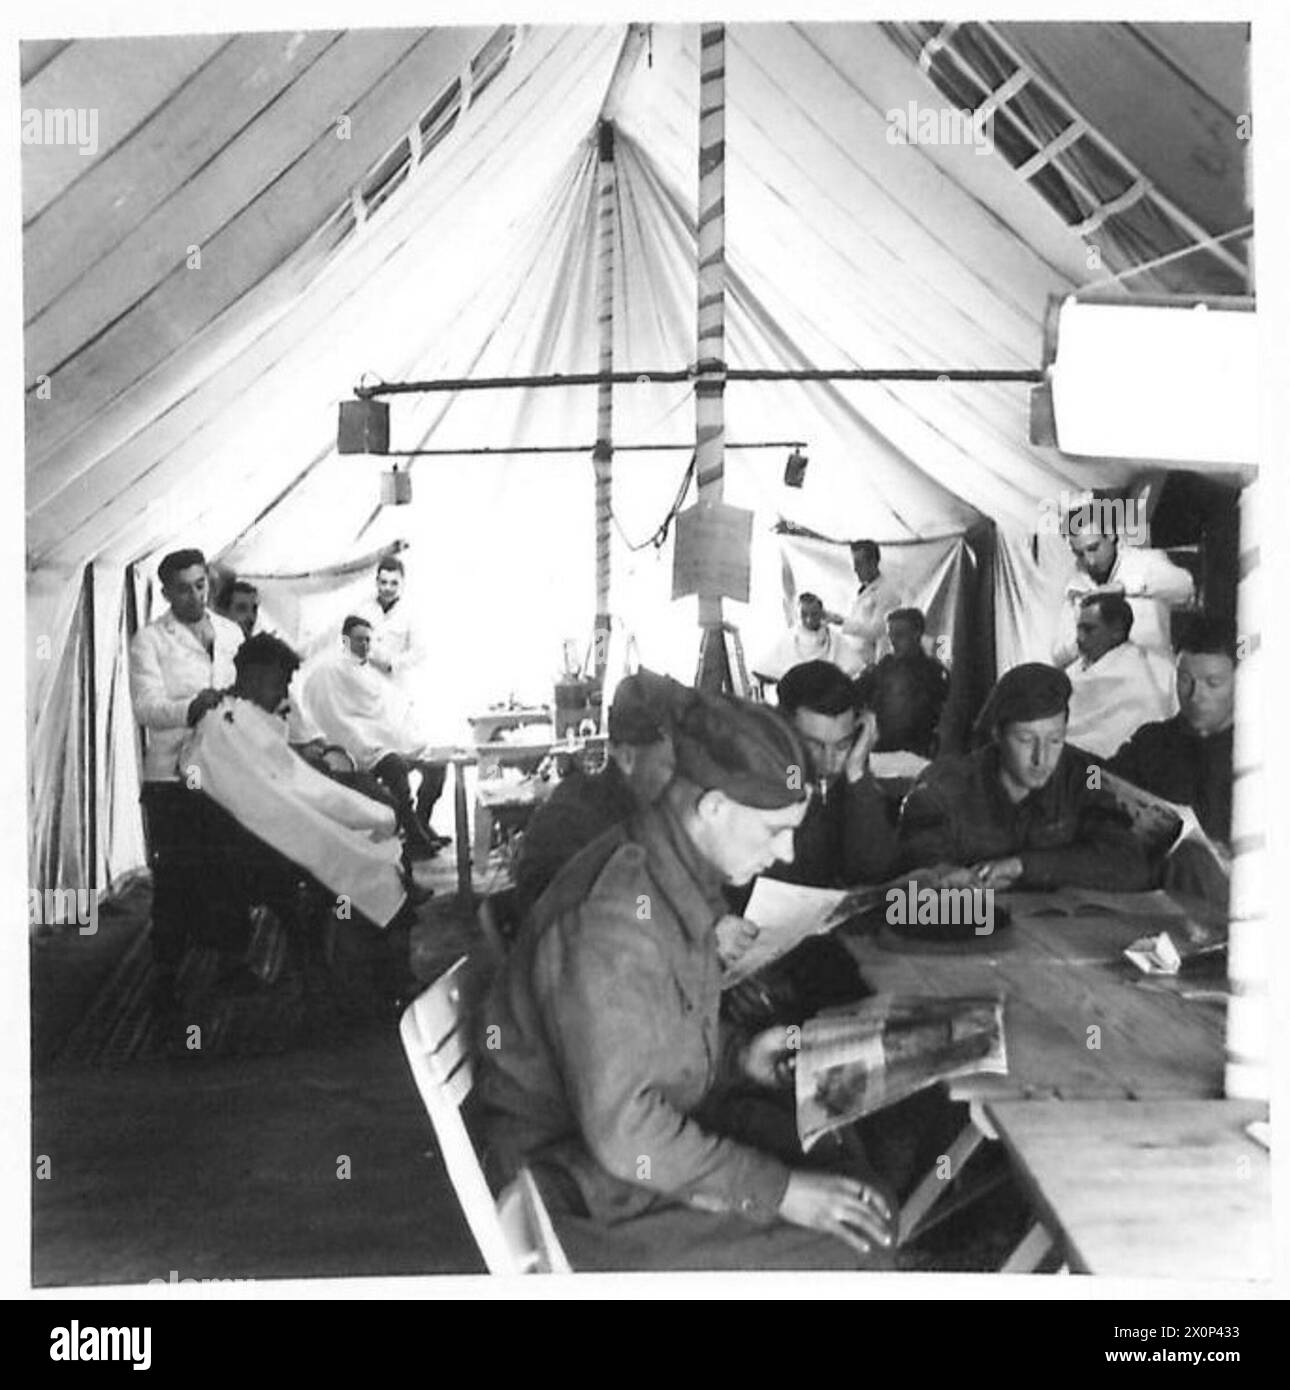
180 665
1149 579
398 652
876 596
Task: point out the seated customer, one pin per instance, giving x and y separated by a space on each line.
238 756
355 706
847 836
811 638
1188 759
639 765
906 689
613 1071
1019 812
1116 686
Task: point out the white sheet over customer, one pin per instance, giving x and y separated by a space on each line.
357 707
239 756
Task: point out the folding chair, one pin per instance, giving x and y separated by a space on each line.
515 1234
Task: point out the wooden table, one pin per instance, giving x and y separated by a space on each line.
1157 1188
491 755
485 727
1080 1021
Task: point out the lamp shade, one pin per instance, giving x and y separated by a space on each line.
1176 382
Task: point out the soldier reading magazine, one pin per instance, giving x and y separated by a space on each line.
661 1137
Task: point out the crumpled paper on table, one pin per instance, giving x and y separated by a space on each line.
1155 955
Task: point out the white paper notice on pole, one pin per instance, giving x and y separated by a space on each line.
711 557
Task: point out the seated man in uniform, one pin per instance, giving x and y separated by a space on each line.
639 766
1019 812
906 689
1188 759
847 836
602 1062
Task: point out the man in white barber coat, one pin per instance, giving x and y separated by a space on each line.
398 653
180 664
396 650
866 624
1148 579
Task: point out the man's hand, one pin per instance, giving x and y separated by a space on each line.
999 873
314 752
203 701
844 1207
734 936
381 663
768 1060
945 876
857 763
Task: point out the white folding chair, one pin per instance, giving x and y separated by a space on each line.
515 1235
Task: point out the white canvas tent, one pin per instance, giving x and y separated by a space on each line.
268 216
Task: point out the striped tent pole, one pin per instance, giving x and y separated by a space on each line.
603 454
710 382
1247 1072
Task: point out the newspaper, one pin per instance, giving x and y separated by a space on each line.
1192 861
1162 825
787 913
861 1058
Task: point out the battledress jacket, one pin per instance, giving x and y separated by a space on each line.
1065 833
600 1037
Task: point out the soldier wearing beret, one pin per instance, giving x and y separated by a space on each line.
1019 811
604 1066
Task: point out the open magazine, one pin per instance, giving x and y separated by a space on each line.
787 913
860 1058
1193 861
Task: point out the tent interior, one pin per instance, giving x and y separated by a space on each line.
274 223
271 217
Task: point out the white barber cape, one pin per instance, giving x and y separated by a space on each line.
395 640
1150 581
239 756
1113 698
354 705
799 645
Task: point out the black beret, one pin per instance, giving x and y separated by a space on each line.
1032 690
